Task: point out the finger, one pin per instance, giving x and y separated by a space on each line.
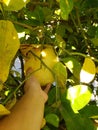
46 90
29 70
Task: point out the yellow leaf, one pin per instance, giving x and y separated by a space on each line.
9 44
60 75
1 85
88 71
3 110
14 5
6 2
43 122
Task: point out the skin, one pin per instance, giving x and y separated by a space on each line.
27 114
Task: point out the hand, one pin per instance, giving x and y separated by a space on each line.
33 86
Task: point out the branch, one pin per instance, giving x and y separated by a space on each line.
79 54
26 26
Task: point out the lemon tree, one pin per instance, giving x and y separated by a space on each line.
59 40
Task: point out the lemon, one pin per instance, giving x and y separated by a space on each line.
41 59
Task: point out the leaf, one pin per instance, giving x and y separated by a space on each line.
60 75
95 41
46 128
47 12
60 30
73 65
43 122
3 110
88 71
14 5
90 111
52 119
66 7
38 14
74 121
52 96
90 4
60 41
9 44
79 96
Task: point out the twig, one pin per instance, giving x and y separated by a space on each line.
74 22
79 54
17 88
42 62
82 31
26 26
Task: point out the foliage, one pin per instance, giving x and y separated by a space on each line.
71 27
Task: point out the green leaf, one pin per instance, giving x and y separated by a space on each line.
95 41
79 96
60 41
66 7
74 121
52 119
73 65
60 75
91 4
60 30
47 14
46 128
38 14
90 111
52 96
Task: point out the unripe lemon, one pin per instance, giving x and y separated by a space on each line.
41 58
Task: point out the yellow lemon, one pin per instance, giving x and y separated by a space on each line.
41 58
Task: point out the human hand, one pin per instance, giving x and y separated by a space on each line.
32 86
